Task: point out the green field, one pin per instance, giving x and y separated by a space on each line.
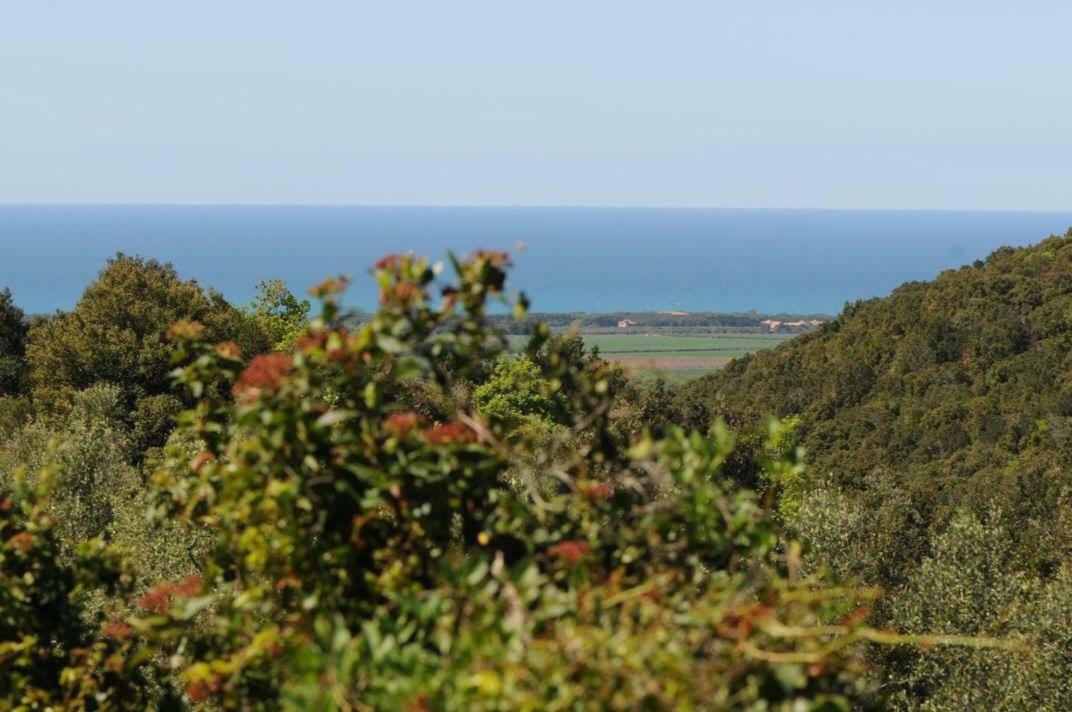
677 357
685 346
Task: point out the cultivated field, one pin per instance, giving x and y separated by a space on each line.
680 356
677 357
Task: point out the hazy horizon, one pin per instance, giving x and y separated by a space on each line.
526 206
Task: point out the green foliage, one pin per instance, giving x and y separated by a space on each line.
277 313
366 557
785 475
116 332
95 486
14 412
87 459
937 423
57 650
935 392
153 419
12 345
516 391
970 584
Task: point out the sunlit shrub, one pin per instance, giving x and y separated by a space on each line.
367 555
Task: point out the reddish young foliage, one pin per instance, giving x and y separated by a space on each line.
597 490
496 258
400 424
117 629
329 288
264 373
446 433
288 581
389 262
402 293
189 586
572 552
158 599
200 460
22 541
201 690
315 340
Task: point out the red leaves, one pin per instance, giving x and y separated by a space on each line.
406 278
200 460
448 433
160 598
330 288
402 293
189 586
390 263
857 617
117 630
596 491
337 348
265 373
572 552
499 259
288 581
739 623
201 690
310 342
22 541
400 424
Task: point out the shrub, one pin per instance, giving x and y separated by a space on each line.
116 332
57 649
367 557
278 314
516 391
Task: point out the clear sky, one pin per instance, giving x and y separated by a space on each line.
847 104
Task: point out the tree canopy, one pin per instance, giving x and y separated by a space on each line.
934 419
13 329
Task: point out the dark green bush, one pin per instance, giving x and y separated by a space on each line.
13 329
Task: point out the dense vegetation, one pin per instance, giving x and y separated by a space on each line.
212 506
400 515
937 424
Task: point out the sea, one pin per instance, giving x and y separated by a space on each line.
567 259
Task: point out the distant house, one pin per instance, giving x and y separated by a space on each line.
626 323
774 324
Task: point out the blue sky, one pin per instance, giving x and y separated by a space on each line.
778 104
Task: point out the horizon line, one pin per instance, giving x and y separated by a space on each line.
515 206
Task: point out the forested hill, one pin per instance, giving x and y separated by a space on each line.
960 389
938 426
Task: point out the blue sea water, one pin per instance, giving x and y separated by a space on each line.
590 259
